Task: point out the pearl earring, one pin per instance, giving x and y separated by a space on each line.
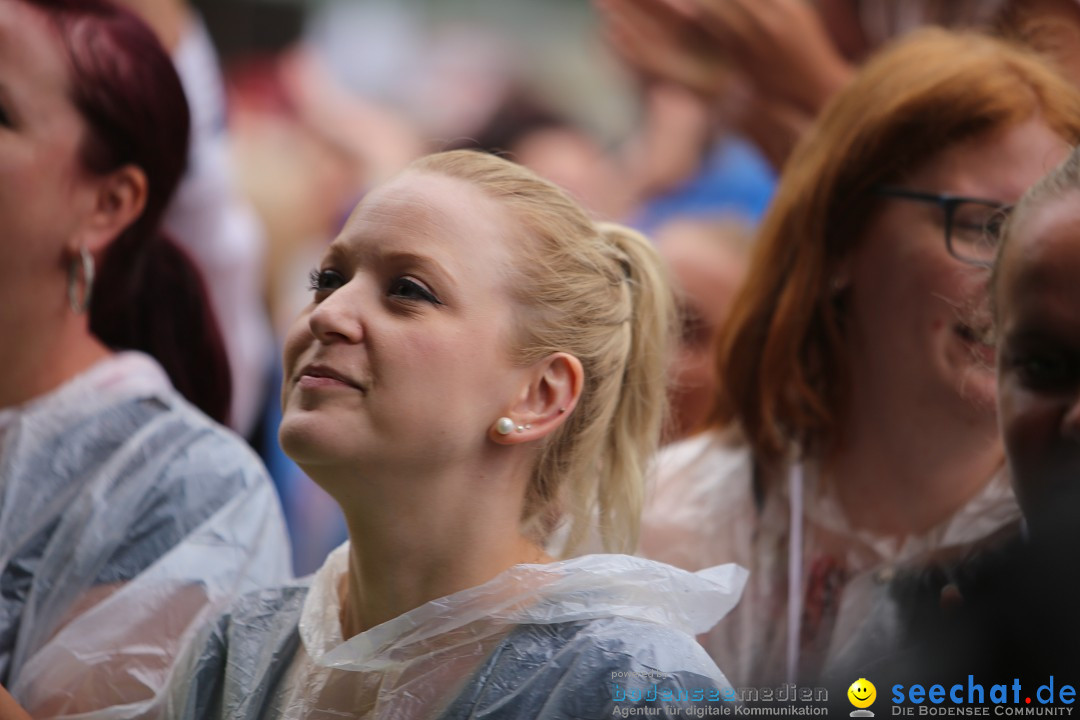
504 426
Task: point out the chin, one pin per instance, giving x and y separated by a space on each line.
306 438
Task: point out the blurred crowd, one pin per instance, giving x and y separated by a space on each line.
867 211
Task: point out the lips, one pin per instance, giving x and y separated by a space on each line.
319 375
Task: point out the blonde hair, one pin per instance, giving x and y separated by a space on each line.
598 292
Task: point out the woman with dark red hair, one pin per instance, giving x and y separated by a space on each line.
113 480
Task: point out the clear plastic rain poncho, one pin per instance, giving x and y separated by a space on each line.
845 610
126 519
582 638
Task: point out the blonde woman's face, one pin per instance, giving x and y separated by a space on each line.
1038 296
920 321
403 356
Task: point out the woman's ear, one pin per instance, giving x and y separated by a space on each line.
553 387
119 198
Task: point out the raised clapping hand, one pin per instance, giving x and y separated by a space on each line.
782 46
767 66
659 43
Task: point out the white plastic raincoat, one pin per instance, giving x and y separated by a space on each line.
578 639
126 518
704 511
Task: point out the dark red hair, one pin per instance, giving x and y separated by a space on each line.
148 295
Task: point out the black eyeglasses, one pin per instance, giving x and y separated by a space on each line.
972 225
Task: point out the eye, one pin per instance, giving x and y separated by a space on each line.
325 281
995 225
406 288
1042 371
977 224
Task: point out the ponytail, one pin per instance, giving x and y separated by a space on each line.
156 302
641 408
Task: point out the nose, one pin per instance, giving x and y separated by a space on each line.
338 317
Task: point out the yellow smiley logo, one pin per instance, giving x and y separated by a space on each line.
862 693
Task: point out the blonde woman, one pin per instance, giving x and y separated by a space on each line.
480 361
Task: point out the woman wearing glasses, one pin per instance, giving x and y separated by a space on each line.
855 436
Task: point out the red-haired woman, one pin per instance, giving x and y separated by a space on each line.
855 435
111 482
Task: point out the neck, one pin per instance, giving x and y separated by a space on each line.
414 539
902 468
37 362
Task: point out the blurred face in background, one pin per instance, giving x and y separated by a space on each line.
1038 308
707 265
919 318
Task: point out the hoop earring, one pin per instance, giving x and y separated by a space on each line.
85 261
